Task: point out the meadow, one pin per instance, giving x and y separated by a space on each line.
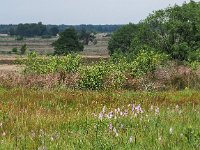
63 103
77 119
96 102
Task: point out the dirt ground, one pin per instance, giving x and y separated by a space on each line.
10 68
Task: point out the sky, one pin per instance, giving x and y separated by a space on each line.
74 12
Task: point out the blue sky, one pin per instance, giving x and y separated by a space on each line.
79 11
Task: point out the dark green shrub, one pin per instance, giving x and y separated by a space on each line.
14 50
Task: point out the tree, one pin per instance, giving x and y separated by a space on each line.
174 30
54 31
86 37
67 42
121 39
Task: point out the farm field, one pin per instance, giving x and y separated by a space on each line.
73 119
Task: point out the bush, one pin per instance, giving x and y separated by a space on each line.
23 49
146 61
19 38
52 64
14 50
93 77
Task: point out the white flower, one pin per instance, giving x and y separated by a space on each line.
131 139
170 130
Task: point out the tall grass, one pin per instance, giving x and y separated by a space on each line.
68 119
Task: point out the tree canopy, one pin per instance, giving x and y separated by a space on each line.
67 42
174 31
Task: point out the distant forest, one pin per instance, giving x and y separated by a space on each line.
39 29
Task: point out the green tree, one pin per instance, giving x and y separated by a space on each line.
54 31
174 30
86 37
121 39
67 42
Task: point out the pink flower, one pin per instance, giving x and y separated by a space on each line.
110 126
101 116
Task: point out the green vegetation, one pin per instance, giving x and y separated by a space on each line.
67 42
99 120
145 96
174 31
41 65
23 49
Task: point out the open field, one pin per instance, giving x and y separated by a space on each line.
67 119
43 46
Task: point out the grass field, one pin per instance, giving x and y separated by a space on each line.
67 119
35 117
43 46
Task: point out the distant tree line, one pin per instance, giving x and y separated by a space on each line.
39 29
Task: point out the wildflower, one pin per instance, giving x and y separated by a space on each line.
126 112
160 138
110 126
100 116
115 131
157 111
170 130
110 115
139 109
131 139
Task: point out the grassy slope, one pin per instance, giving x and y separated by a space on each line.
63 119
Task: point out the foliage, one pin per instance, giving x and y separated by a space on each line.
146 61
23 49
121 39
86 37
14 50
29 30
93 77
174 30
67 42
19 38
42 65
54 30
